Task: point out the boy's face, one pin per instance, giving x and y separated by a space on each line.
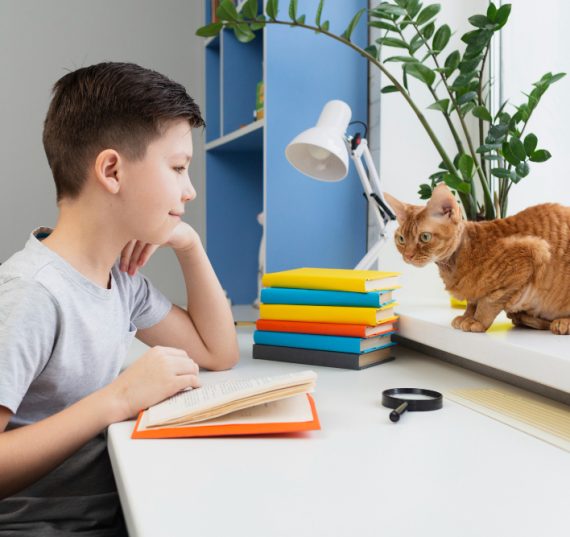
155 189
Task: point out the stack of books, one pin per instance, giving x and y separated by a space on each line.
331 317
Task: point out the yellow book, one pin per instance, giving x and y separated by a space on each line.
359 281
327 314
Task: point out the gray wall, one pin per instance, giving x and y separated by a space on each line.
41 41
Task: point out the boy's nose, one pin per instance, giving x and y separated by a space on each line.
189 192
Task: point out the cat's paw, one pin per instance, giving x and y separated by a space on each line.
560 327
467 324
456 323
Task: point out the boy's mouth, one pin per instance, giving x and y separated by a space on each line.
173 213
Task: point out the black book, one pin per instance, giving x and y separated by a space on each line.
344 360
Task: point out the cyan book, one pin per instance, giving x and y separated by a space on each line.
325 343
282 295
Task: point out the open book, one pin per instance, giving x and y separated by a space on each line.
243 406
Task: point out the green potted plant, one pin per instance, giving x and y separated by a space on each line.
498 155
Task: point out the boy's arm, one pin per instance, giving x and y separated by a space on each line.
30 452
206 330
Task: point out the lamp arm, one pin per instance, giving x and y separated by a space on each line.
371 186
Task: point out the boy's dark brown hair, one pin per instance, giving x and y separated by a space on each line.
108 105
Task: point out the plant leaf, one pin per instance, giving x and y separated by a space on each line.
389 89
243 33
372 50
350 28
540 155
530 143
455 182
383 25
407 59
452 61
481 112
428 13
503 15
466 97
492 12
210 30
425 192
465 166
442 105
293 10
227 11
502 173
441 38
421 72
250 9
517 148
428 30
522 169
319 13
510 157
481 21
392 42
272 9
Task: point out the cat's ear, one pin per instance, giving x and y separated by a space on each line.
398 206
443 203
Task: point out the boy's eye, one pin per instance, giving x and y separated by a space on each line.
179 169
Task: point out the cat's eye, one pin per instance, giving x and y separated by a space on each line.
400 239
425 236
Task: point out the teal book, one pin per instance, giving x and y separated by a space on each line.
316 297
353 345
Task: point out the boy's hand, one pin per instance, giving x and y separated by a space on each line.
136 254
158 374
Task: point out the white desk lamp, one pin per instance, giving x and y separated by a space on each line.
321 152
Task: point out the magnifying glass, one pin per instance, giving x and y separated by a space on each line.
412 399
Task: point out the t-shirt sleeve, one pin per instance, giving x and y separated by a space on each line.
28 330
150 305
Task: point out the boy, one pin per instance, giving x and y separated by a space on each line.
118 141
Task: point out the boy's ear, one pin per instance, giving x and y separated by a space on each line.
397 206
106 167
443 203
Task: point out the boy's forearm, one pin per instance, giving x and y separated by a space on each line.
30 452
207 304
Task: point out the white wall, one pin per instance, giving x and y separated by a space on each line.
39 43
534 42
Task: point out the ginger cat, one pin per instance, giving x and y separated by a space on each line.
520 264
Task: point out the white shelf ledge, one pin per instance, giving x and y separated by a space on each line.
535 355
235 135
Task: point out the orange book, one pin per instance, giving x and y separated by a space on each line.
262 405
240 423
331 329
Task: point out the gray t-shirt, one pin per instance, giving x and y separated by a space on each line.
63 337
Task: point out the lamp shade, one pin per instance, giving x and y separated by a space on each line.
320 152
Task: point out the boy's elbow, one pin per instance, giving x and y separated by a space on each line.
225 360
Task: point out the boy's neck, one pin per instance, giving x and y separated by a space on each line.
86 241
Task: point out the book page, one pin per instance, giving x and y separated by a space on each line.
212 395
294 409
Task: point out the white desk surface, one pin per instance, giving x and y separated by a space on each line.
451 472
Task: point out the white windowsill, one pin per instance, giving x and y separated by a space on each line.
535 355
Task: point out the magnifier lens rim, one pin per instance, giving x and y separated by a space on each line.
434 402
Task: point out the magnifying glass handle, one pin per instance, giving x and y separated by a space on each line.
397 412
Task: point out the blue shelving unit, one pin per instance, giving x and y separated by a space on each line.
307 222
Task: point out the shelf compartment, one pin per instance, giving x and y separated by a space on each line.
243 69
